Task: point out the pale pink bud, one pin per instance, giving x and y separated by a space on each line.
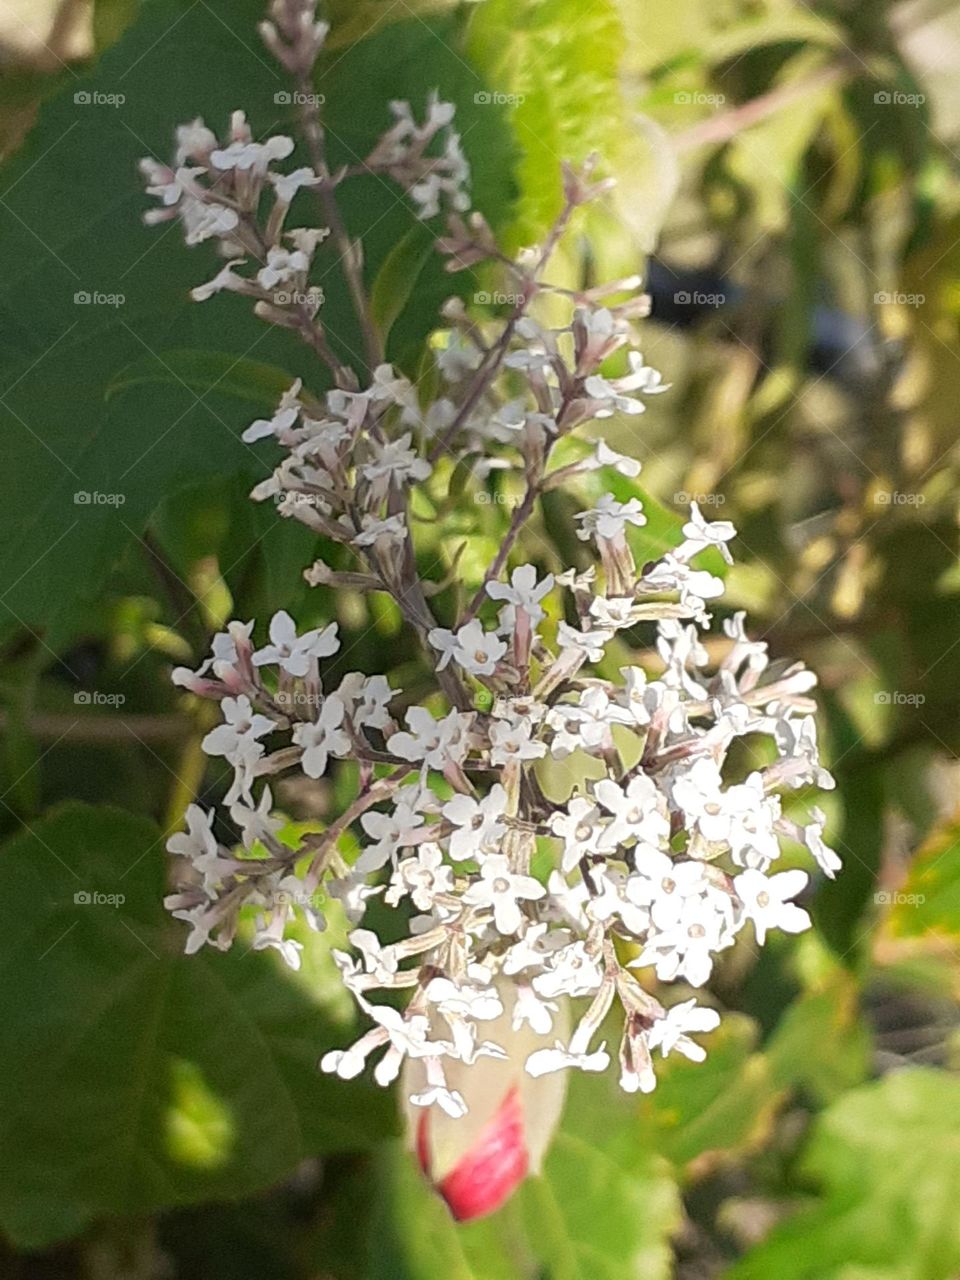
478 1160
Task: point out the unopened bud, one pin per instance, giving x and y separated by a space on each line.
478 1160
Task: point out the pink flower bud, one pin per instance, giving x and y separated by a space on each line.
477 1161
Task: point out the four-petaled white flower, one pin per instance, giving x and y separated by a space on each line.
475 650
322 737
238 736
503 890
609 517
293 653
673 1030
766 901
523 591
477 823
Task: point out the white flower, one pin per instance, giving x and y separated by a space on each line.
390 831
198 840
458 358
226 279
252 155
283 265
584 725
609 517
199 845
435 742
611 391
503 890
543 1061
589 642
237 736
766 901
372 531
686 948
479 829
294 653
288 184
510 741
530 1009
256 824
569 971
283 420
672 1031
396 460
638 811
423 877
475 650
322 737
581 831
194 142
523 592
366 699
700 534
827 859
202 220
604 456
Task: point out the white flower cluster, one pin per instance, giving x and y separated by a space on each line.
514 905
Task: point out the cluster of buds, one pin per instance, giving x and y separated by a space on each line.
526 920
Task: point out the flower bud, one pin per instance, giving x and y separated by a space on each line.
478 1160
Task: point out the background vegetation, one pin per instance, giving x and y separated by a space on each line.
790 185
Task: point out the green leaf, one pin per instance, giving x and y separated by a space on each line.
204 371
887 1159
558 70
924 912
821 1042
706 1111
397 277
136 1077
71 223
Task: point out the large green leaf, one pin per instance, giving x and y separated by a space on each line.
557 68
135 1077
70 217
887 1157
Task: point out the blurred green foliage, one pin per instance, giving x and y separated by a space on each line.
789 183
